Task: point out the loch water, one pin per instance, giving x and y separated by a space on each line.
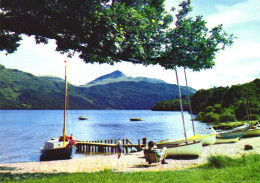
24 132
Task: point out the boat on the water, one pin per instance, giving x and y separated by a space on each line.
63 147
54 149
82 118
135 119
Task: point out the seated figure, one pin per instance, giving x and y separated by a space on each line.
154 155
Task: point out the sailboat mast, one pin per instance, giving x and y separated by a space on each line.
181 104
65 105
189 101
248 110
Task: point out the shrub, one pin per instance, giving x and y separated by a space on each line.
209 109
211 117
219 161
227 117
217 108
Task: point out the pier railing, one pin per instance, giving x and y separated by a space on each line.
108 146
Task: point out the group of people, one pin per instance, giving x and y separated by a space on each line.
161 154
68 139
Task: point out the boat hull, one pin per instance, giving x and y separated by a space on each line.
222 140
82 118
57 153
251 132
190 149
135 119
206 139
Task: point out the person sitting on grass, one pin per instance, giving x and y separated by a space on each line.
161 154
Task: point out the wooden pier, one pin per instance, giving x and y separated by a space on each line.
108 146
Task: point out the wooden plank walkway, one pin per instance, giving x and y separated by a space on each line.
108 146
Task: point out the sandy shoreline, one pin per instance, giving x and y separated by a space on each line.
131 162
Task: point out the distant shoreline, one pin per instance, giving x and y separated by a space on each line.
131 162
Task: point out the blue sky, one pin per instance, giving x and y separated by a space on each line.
237 64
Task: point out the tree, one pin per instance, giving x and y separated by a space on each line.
191 44
106 31
99 30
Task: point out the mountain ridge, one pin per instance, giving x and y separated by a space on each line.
21 90
118 76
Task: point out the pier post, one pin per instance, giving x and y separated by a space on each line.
144 140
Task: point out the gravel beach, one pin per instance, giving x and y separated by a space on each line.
131 162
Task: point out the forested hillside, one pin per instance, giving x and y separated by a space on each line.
221 104
228 104
20 90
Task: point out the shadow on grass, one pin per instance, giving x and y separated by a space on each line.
182 157
145 165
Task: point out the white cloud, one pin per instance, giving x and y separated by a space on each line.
246 11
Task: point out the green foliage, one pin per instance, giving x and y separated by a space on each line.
219 161
172 105
231 125
211 117
100 31
227 117
227 104
105 31
225 161
191 44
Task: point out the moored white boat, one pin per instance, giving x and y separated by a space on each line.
63 147
82 118
54 149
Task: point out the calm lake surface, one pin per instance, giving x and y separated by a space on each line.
23 132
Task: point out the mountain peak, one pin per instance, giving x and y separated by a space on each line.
118 76
114 75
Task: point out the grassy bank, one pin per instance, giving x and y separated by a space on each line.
218 169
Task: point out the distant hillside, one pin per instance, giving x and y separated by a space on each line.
20 90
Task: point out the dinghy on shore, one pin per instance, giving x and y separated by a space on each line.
181 148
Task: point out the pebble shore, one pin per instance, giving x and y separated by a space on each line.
132 162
